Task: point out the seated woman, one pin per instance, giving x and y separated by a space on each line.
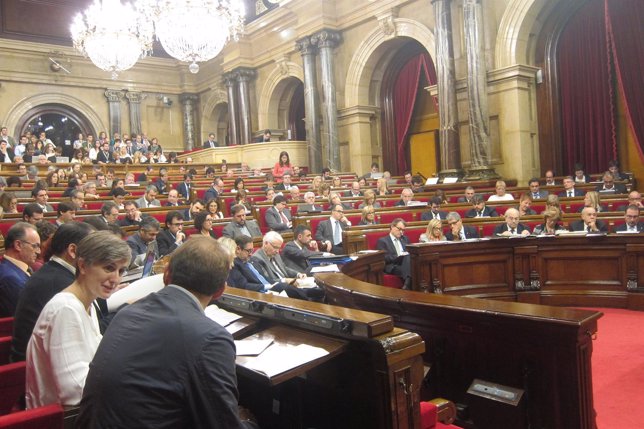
580 176
241 198
124 157
500 194
323 191
382 188
369 199
9 202
550 226
203 224
368 216
592 199
213 208
441 194
434 232
77 158
336 182
525 201
238 185
116 183
553 201
67 332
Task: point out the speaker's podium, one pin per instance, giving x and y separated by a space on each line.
326 366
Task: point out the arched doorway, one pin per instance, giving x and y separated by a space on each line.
284 111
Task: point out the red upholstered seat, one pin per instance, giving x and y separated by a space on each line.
5 349
488 229
12 385
6 326
429 417
47 417
5 225
387 218
392 281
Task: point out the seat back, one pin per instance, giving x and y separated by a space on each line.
6 326
12 385
47 417
5 349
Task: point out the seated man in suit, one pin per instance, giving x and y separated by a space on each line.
479 208
613 167
609 186
161 182
394 244
184 187
172 236
512 227
239 225
569 188
634 199
286 182
172 199
269 264
458 231
329 232
132 214
167 345
632 217
550 178
589 222
41 196
406 196
195 207
309 204
434 210
467 196
147 233
535 192
243 274
334 200
355 191
215 190
297 252
278 217
149 199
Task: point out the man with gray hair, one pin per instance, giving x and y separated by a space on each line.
139 242
458 231
150 198
309 204
22 247
512 227
406 196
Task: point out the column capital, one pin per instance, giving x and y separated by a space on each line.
306 46
113 95
245 74
327 38
441 1
188 97
229 79
135 97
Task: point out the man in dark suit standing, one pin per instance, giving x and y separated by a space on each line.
329 232
172 236
296 253
394 244
434 211
512 227
479 208
633 224
569 188
458 231
184 187
589 222
535 192
210 143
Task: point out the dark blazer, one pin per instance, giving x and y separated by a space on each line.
500 229
579 225
164 344
297 258
166 242
233 230
623 227
470 232
209 144
487 212
137 246
10 154
12 282
324 232
184 190
38 290
392 260
618 188
162 186
576 193
307 208
540 195
211 193
242 277
100 157
126 221
262 263
274 220
349 194
463 200
345 206
428 215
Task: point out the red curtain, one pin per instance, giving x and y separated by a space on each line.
587 105
404 99
625 25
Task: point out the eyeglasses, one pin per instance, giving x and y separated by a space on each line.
247 250
177 224
276 247
35 246
399 228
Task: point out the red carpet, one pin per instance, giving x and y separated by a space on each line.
618 369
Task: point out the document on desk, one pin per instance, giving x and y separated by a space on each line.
221 316
331 268
251 346
306 283
279 358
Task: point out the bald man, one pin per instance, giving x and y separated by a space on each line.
512 227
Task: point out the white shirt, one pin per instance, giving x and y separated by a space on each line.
61 347
506 197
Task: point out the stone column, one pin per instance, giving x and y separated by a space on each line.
134 99
230 80
477 93
311 103
188 102
244 75
446 84
326 40
114 97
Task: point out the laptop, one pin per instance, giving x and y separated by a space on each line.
143 271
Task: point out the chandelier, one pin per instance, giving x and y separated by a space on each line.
115 36
111 35
195 30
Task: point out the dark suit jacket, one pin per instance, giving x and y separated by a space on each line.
10 154
208 144
579 225
576 193
345 206
324 232
618 188
184 190
163 344
487 212
540 195
428 215
12 282
500 229
307 208
297 258
242 277
166 242
211 193
470 232
639 226
262 263
162 186
274 220
391 256
105 159
349 194
463 200
233 230
38 290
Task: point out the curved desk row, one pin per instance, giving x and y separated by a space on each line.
544 351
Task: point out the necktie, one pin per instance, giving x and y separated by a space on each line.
535 196
277 268
258 276
570 193
244 230
512 230
462 234
337 233
398 246
480 214
283 217
588 228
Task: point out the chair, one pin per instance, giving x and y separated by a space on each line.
5 350
47 417
12 385
437 414
6 326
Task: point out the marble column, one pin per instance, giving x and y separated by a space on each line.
477 93
188 102
244 76
450 149
114 97
311 103
326 40
134 99
230 80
